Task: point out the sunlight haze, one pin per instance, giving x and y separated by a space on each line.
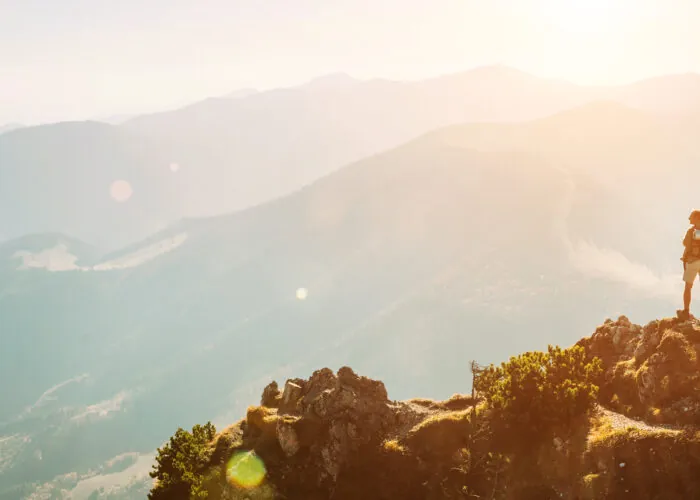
80 59
377 250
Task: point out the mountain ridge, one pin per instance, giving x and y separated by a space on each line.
217 153
316 437
396 265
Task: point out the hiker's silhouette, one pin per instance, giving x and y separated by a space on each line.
691 262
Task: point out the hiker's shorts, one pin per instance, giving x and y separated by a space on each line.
692 269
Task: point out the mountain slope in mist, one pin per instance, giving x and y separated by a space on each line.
316 128
638 157
225 154
9 127
400 263
61 178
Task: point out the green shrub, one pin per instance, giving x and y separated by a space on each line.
536 392
182 463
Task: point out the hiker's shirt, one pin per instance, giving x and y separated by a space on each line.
691 242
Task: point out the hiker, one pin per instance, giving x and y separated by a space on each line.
691 261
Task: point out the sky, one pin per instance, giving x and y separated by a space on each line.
82 59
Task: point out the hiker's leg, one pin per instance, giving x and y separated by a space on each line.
690 274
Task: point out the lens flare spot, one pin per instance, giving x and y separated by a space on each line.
245 469
120 191
302 293
174 167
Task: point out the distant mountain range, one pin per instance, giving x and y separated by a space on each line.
239 94
469 241
9 127
226 154
114 119
58 178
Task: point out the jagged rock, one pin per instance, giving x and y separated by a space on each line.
287 436
373 388
339 437
320 381
648 366
326 421
331 402
640 350
290 397
646 383
619 336
271 396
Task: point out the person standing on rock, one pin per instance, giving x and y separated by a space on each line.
691 261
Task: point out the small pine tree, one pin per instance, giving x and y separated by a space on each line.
182 464
538 391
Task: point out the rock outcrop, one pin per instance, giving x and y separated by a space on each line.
338 436
331 428
651 372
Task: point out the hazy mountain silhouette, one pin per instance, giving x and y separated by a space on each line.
238 94
9 127
633 154
664 94
410 260
57 178
237 153
232 153
115 119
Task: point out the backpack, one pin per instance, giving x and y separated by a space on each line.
692 245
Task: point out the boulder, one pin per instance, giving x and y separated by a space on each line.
661 358
271 396
290 397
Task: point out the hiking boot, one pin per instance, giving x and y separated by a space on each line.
683 315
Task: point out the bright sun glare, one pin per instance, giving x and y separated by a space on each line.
587 16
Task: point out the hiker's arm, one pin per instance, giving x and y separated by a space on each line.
688 238
687 241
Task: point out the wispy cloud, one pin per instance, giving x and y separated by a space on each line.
610 264
113 482
103 408
613 265
143 255
49 394
57 258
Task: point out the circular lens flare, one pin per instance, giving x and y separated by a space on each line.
120 191
302 293
245 469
